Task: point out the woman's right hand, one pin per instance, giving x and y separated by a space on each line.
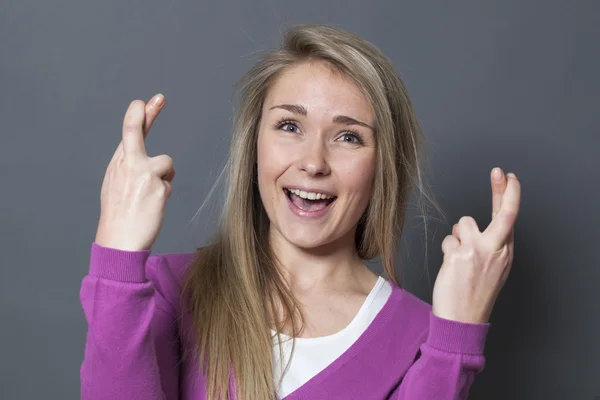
136 187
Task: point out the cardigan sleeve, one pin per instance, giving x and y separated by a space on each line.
450 359
132 348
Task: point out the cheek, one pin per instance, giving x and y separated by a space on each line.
360 172
274 150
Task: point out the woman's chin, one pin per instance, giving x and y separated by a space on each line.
307 240
308 244
305 236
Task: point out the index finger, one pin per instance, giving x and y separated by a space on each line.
502 223
133 129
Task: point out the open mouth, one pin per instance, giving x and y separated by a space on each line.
309 202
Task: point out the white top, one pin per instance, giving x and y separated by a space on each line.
312 355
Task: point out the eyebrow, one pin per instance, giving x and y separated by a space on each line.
338 119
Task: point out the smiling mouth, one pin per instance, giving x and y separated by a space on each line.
306 204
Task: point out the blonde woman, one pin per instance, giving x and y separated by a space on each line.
280 304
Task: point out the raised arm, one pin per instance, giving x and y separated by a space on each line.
475 268
131 347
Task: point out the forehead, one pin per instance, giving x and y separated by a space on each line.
321 90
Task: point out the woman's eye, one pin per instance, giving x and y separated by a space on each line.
351 138
289 127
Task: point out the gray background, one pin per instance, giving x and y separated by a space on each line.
495 83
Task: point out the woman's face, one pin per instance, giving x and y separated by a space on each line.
316 155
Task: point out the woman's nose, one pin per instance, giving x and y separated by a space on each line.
313 158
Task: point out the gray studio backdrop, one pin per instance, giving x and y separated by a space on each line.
504 83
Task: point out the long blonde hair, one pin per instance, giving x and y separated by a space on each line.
233 284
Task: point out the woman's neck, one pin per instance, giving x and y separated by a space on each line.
335 266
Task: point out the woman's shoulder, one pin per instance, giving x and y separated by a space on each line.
399 328
408 312
412 302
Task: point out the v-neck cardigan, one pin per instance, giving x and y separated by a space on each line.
135 335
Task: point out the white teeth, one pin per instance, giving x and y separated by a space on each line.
310 195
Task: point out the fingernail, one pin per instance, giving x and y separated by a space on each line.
158 100
497 175
511 175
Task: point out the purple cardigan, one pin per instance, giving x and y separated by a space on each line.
134 339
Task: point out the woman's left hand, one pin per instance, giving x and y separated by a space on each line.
476 264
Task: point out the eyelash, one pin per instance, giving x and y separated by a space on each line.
351 132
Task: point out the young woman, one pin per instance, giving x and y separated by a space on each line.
280 304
